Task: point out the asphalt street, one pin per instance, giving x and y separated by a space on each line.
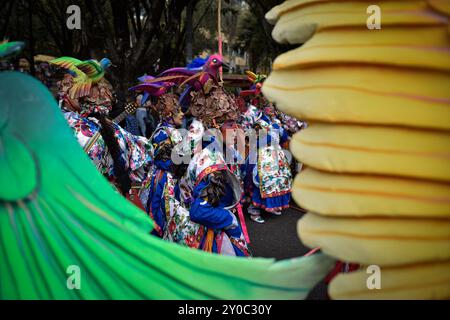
277 238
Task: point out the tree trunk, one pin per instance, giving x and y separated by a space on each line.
189 15
7 19
31 38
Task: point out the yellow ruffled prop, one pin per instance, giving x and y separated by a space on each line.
377 150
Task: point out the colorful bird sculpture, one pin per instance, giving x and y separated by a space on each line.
190 76
257 81
66 234
87 73
197 64
10 49
155 89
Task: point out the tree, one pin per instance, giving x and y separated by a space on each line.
5 16
255 35
140 36
52 16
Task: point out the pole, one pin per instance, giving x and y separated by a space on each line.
219 31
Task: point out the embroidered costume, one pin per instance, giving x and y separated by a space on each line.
161 182
130 159
268 174
214 189
271 177
221 232
135 151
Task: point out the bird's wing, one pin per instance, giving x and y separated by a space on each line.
177 72
197 80
145 78
197 64
62 224
174 76
251 76
82 81
68 63
91 68
173 79
153 89
81 87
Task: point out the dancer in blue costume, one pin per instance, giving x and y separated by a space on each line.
215 189
164 138
269 178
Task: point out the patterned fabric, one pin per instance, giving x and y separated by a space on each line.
191 143
221 232
135 150
291 124
165 132
207 158
180 228
249 117
88 108
159 184
155 206
273 170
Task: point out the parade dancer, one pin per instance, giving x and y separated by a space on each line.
249 112
121 157
215 189
162 178
268 178
86 102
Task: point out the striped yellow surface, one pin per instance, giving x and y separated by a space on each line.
297 24
419 47
392 151
422 281
379 241
354 195
377 148
363 94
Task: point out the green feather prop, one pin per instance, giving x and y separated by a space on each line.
10 49
56 211
86 73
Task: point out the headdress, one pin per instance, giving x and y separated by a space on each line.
167 105
257 83
101 102
214 107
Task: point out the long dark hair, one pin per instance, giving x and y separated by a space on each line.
215 190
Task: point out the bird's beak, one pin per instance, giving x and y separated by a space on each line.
226 66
